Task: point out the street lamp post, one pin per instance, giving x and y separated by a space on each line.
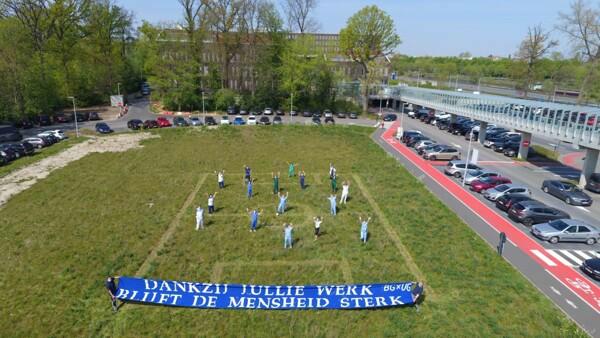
119 88
74 115
203 111
292 108
468 157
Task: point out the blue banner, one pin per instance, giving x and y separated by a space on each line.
267 297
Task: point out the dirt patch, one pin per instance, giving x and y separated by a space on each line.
24 178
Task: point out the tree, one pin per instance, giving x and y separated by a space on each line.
582 26
299 15
533 48
369 34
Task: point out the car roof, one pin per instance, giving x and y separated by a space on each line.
532 203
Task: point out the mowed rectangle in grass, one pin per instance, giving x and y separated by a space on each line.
105 213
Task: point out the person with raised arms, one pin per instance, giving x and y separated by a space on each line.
275 182
332 204
287 235
211 202
364 228
254 213
199 218
282 202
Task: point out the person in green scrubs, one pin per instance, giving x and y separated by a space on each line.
275 183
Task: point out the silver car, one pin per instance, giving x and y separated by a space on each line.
457 168
570 230
424 143
474 175
505 189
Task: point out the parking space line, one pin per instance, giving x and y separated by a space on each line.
582 254
543 257
559 258
584 209
571 256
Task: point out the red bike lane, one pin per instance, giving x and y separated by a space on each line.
569 277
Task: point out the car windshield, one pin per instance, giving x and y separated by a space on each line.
502 187
475 173
437 148
488 179
558 225
571 187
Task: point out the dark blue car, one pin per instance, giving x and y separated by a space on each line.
103 128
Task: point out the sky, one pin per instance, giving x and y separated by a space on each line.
426 27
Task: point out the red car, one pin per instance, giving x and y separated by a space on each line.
489 183
163 122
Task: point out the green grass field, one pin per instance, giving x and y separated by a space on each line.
124 213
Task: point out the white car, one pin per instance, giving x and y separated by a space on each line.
225 120
251 120
35 141
411 114
57 133
268 111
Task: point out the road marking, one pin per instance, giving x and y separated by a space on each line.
456 145
543 257
571 303
595 253
582 254
511 242
571 256
582 208
555 290
559 258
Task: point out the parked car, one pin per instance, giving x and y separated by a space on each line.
293 113
473 175
9 133
210 121
264 121
58 133
251 120
329 119
231 110
179 121
423 144
534 212
62 118
3 159
239 121
489 183
566 230
103 128
505 189
442 153
353 116
225 120
24 123
316 121
150 124
457 168
341 115
593 183
504 202
306 113
279 112
567 192
268 111
423 150
277 120
390 117
317 113
94 116
407 134
44 120
195 121
37 142
591 267
10 153
413 140
243 112
135 124
163 122
27 147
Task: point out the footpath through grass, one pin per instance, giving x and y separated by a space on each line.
105 213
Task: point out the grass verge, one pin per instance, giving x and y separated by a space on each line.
106 213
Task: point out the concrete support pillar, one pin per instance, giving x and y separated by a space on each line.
589 165
525 144
482 131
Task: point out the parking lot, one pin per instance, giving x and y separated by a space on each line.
526 174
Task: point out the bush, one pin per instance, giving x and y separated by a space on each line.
224 98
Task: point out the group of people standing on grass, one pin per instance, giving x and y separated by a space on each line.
283 198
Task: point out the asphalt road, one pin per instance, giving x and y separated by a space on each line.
540 277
